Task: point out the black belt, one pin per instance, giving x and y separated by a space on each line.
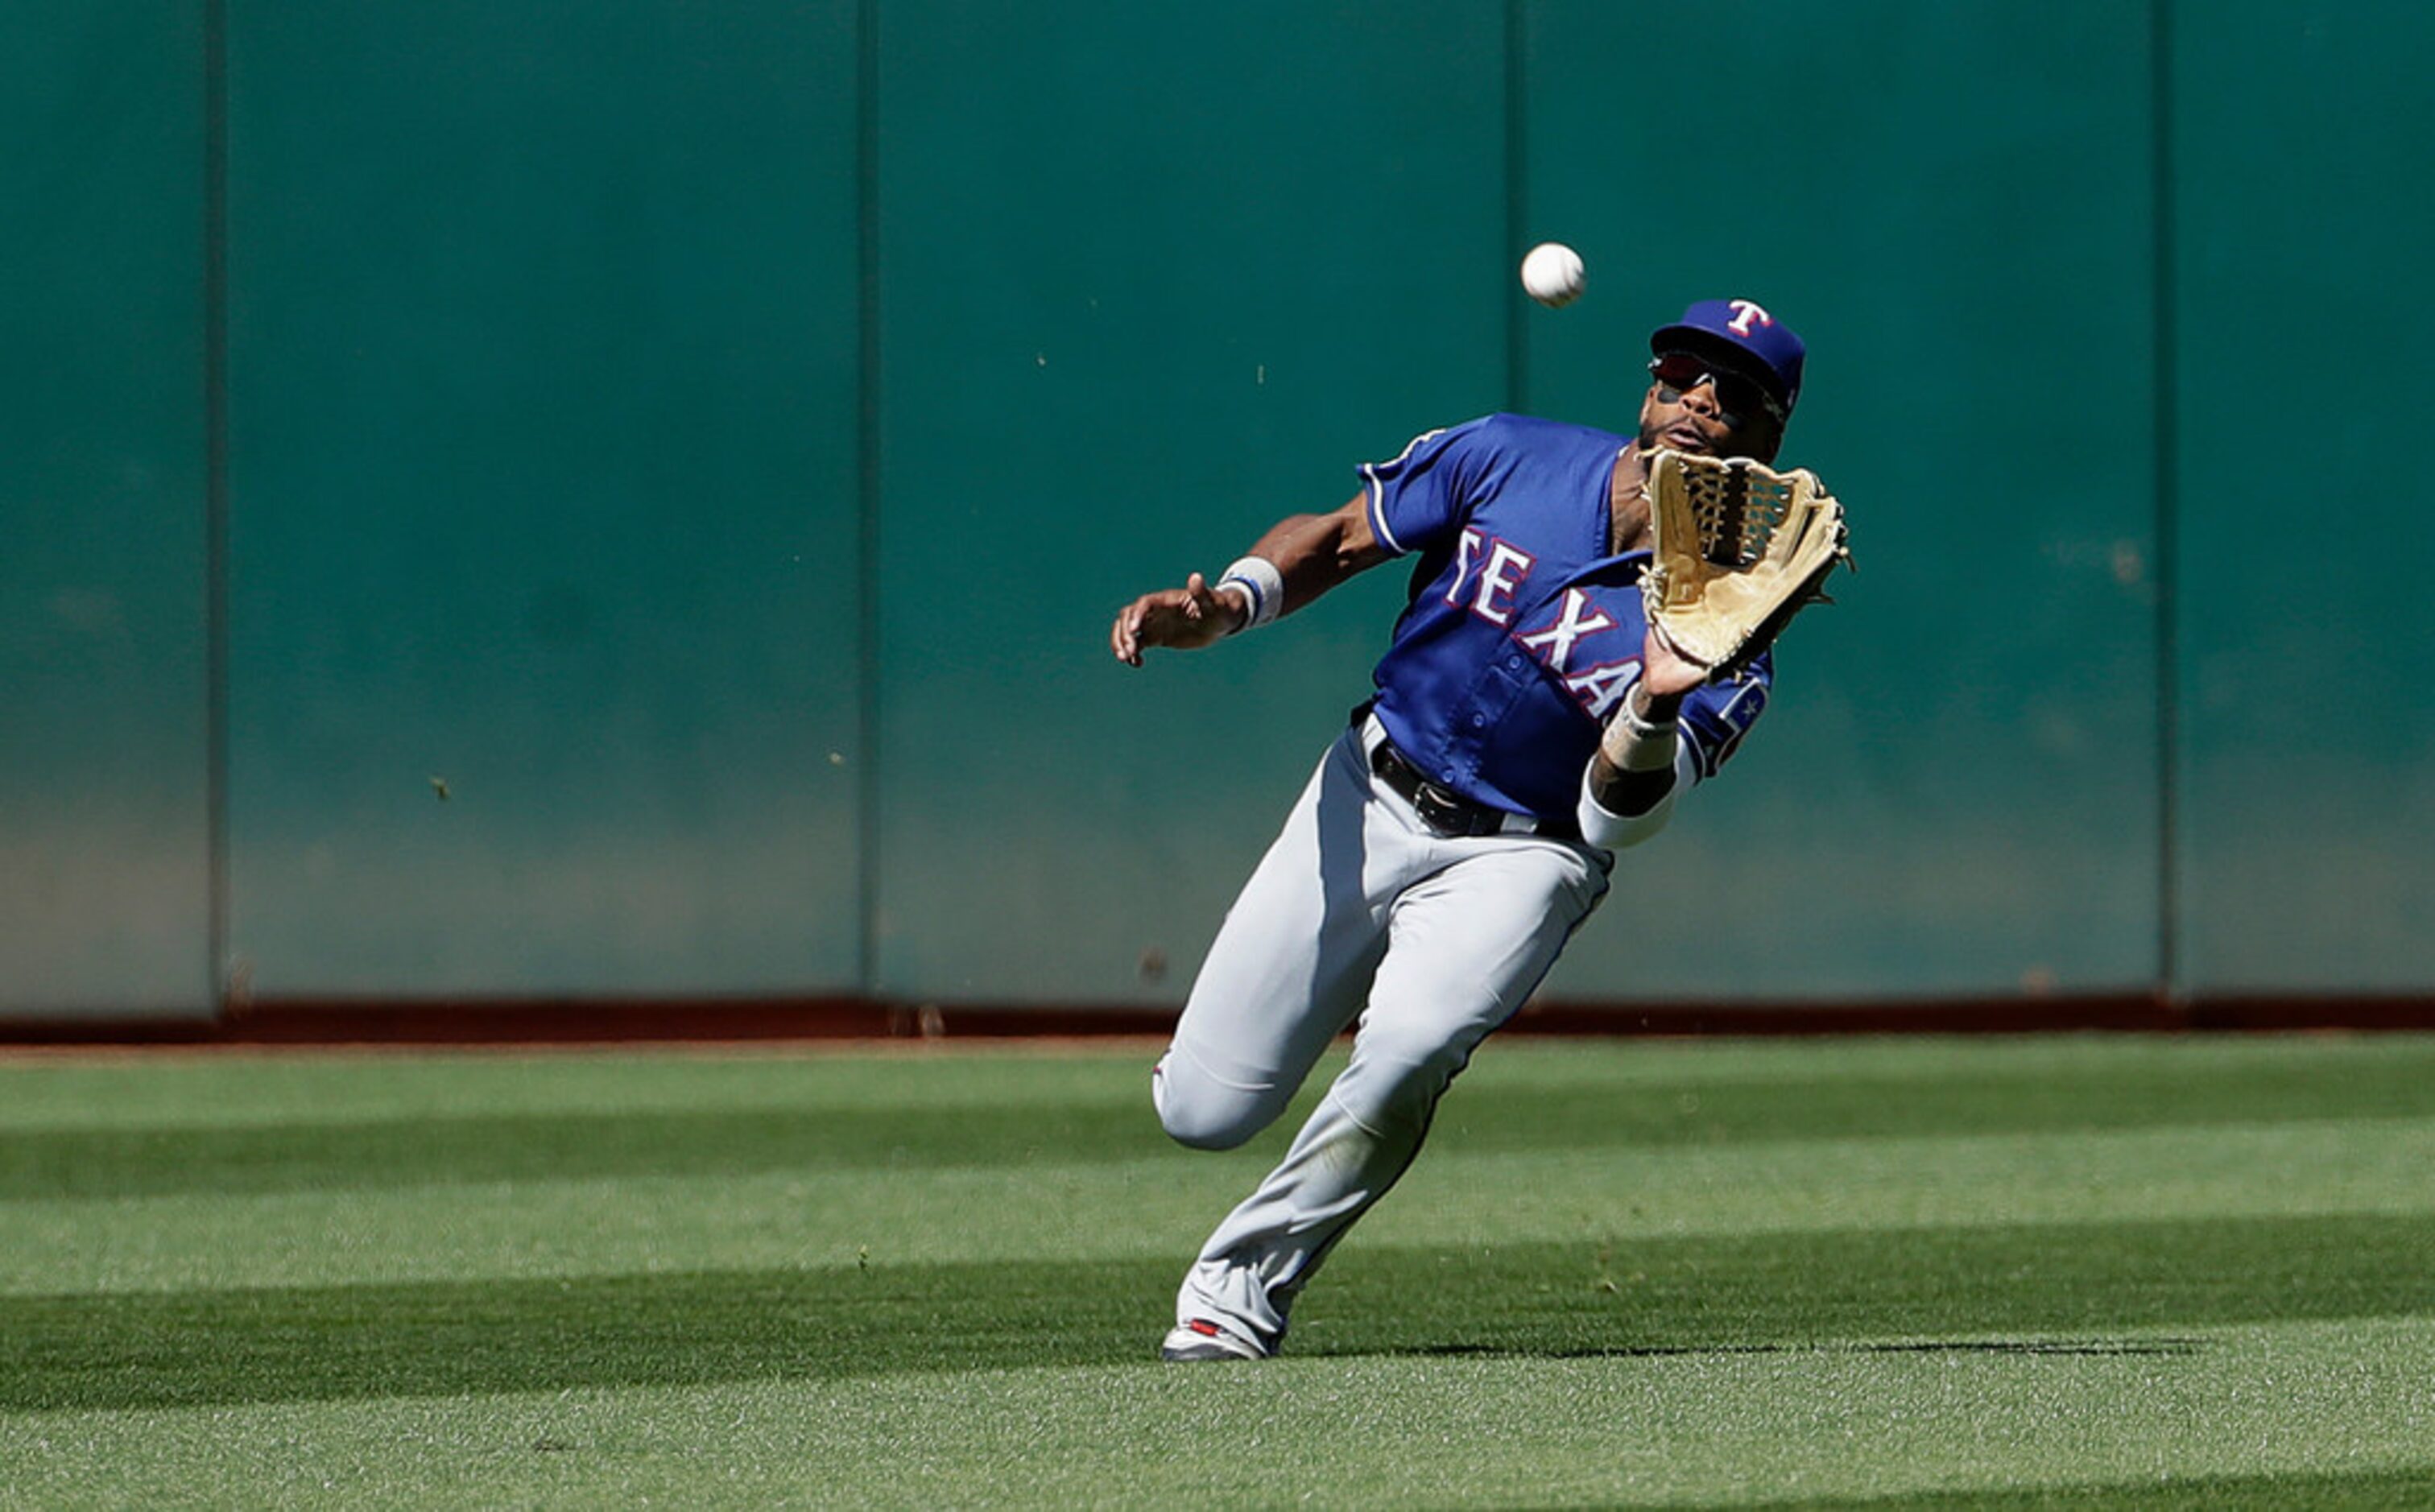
1451 814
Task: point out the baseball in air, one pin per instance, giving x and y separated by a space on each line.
1553 274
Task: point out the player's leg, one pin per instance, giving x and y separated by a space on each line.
1467 947
1289 970
1468 943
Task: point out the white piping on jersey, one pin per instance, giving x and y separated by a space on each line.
1377 491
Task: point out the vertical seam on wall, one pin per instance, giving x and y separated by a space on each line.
2166 574
216 502
1517 207
866 446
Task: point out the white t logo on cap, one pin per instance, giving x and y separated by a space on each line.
1745 313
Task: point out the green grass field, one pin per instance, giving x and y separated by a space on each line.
2003 1274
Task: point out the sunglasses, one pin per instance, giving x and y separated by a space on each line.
1678 373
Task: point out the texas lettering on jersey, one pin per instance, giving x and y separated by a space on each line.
1487 576
1597 685
1487 592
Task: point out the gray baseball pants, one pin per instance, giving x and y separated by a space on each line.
1358 909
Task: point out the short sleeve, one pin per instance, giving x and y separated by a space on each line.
1423 496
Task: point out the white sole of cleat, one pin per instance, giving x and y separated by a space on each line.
1196 1342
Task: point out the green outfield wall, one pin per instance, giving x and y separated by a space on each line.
523 500
106 871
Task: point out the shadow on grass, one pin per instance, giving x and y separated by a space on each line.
2030 1288
2092 1287
2404 1489
2086 1347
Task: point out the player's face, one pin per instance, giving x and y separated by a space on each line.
1692 408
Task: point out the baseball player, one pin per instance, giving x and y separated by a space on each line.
1526 726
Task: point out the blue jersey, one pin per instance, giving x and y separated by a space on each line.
1523 631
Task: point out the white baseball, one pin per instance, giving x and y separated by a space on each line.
1553 275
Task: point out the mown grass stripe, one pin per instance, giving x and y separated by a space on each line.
2095 1287
1487 1115
419 1152
1162 1207
243 1089
2315 1405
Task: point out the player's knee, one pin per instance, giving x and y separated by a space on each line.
1204 1129
1201 1113
1210 1123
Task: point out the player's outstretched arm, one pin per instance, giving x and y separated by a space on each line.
1311 554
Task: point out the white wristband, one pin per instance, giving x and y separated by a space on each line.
1263 586
1638 745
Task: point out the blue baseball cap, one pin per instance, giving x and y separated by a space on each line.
1741 335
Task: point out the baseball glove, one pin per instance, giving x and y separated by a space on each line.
1740 548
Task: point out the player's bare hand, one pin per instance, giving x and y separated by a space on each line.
1182 618
1666 672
